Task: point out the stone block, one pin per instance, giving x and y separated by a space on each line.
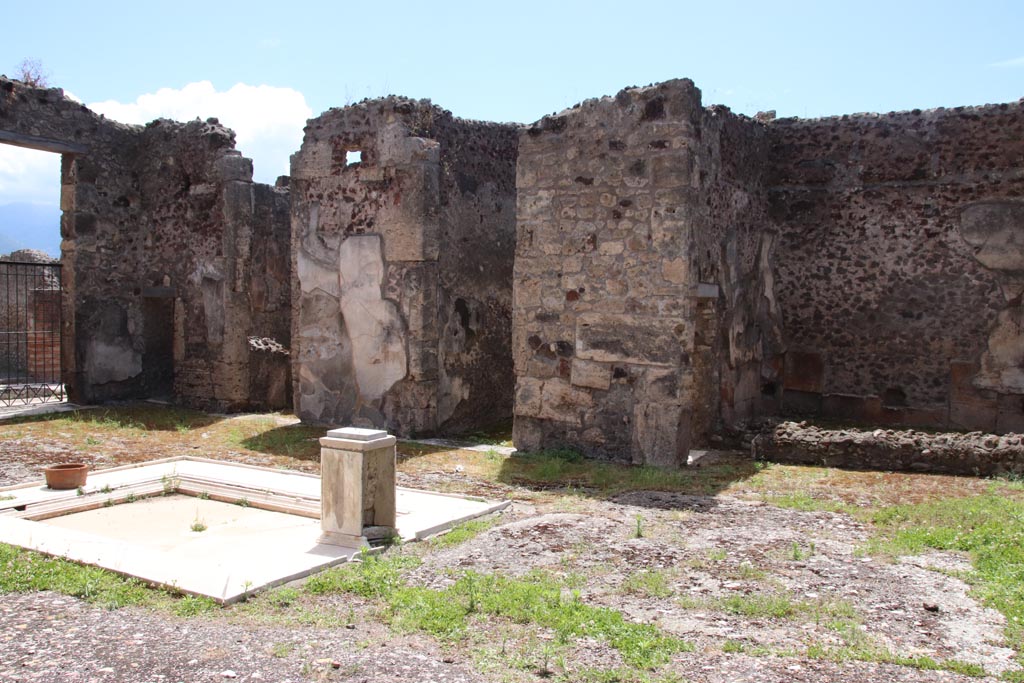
672 170
973 416
1010 417
661 435
233 167
674 271
804 371
563 403
632 339
423 362
660 385
799 402
528 396
527 434
849 407
590 374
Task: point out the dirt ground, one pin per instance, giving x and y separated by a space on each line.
759 590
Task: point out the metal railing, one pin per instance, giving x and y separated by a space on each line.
30 333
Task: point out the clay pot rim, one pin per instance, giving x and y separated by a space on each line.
65 467
66 476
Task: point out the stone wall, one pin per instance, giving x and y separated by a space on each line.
638 274
160 225
402 243
900 266
972 454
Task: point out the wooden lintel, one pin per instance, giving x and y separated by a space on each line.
41 143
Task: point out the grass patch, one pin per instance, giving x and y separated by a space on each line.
989 527
193 605
537 600
759 605
807 503
781 605
23 571
649 583
884 656
461 533
281 650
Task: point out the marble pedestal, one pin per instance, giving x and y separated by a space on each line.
357 475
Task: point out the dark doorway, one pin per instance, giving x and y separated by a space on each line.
158 357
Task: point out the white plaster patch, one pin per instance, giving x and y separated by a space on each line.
111 362
373 323
313 276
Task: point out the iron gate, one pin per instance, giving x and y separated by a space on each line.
30 343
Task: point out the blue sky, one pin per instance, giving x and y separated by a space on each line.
511 61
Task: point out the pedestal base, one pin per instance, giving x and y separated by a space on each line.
343 540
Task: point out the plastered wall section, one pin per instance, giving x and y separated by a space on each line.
899 266
403 235
620 326
159 218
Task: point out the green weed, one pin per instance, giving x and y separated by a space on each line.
804 502
536 599
989 527
281 650
22 571
193 605
869 653
651 583
461 533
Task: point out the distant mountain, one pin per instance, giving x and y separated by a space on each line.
30 226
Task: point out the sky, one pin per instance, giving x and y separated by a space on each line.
264 68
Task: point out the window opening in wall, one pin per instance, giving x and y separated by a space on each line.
353 156
30 277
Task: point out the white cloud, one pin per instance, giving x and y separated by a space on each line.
1009 63
28 175
267 120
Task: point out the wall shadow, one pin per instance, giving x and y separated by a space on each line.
693 487
295 441
151 417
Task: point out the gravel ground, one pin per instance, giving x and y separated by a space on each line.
707 550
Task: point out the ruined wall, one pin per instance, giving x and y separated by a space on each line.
900 266
402 237
214 243
477 237
158 223
637 240
735 251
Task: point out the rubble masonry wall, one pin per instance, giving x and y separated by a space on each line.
158 228
402 242
900 266
638 274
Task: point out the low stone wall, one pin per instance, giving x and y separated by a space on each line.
971 453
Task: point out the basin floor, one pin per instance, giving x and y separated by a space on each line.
243 547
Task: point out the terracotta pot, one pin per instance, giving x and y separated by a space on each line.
68 476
